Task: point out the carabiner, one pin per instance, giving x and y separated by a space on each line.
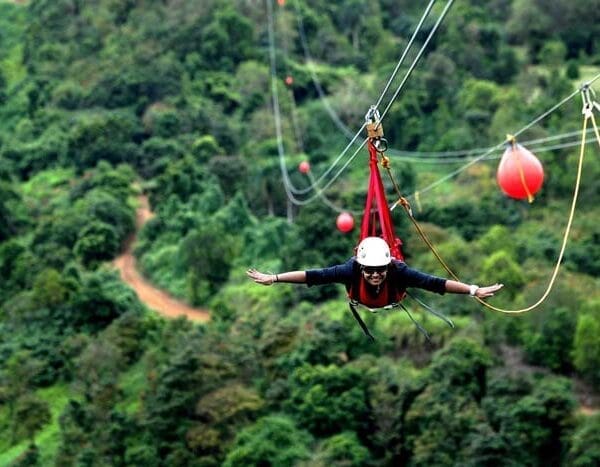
381 145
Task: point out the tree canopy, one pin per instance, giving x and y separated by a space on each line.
207 108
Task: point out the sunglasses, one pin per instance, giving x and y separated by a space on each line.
374 269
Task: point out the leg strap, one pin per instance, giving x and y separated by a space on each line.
360 321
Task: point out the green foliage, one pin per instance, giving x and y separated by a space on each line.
68 95
552 54
96 94
94 227
162 121
585 251
252 85
266 240
272 440
50 289
572 71
500 267
231 172
101 298
204 148
497 238
97 242
32 414
135 86
328 399
207 254
469 218
342 449
533 416
127 334
103 136
585 449
548 340
315 224
227 26
586 348
448 404
181 178
463 365
156 153
102 180
223 412
12 216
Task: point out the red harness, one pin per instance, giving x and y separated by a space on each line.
377 221
371 297
375 297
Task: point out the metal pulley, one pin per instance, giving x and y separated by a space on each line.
375 129
373 121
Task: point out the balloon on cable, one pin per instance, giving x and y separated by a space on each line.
520 174
345 222
304 167
289 80
281 2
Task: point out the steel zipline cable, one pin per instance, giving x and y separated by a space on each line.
290 189
572 140
417 58
445 157
487 154
501 145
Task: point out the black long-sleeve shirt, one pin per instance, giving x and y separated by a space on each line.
403 275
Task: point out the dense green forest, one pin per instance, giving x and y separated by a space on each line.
105 100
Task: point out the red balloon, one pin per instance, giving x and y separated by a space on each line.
289 80
281 2
304 167
345 222
520 174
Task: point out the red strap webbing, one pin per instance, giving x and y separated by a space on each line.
376 209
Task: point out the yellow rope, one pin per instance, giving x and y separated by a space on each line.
406 207
517 157
565 236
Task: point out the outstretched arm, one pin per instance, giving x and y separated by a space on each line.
296 277
476 291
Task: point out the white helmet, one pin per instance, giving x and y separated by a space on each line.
373 251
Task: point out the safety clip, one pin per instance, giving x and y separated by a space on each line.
375 129
373 121
589 104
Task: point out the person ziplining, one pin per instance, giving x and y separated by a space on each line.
377 276
374 278
384 283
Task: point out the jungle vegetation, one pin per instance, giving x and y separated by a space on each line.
101 101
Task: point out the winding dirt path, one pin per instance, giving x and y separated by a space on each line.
151 296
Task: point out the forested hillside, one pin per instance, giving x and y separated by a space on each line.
207 107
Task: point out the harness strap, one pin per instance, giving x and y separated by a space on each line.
377 217
416 323
361 323
446 320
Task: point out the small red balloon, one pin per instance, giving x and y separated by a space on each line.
281 2
345 222
304 167
289 80
520 174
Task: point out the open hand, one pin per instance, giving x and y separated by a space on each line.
485 292
259 277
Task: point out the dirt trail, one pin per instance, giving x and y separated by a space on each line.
151 296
